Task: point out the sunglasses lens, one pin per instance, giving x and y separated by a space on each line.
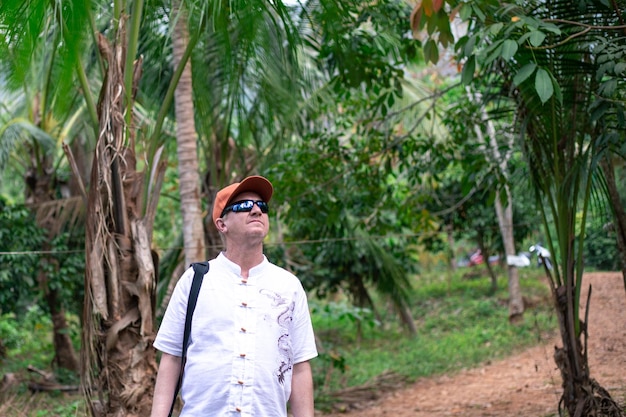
243 206
263 206
246 206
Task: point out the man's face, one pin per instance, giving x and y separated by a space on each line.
246 225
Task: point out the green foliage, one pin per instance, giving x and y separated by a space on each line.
21 242
28 342
565 88
19 236
363 51
341 317
459 325
600 247
71 409
26 30
346 183
65 269
358 240
27 338
47 404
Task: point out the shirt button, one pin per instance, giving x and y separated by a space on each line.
244 281
243 303
240 382
242 355
243 329
238 409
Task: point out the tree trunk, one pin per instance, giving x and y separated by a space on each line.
218 175
485 252
64 353
40 192
190 202
619 214
582 395
118 360
451 253
505 221
407 318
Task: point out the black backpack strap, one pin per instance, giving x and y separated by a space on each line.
199 268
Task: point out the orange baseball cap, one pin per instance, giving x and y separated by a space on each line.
255 183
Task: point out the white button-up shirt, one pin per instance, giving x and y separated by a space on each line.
246 335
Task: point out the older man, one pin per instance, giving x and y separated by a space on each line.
251 338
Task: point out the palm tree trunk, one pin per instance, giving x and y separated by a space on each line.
64 353
582 395
118 360
190 202
40 192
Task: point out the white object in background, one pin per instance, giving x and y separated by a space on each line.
517 260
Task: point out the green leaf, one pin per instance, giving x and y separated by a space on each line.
495 28
558 94
607 88
509 48
468 50
551 27
431 53
523 38
468 70
465 12
479 13
619 68
543 85
524 72
497 52
537 37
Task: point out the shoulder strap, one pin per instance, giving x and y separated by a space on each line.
199 268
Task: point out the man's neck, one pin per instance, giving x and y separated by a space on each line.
245 258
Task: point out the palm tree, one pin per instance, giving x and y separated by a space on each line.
117 360
556 62
565 143
119 363
43 120
186 139
247 91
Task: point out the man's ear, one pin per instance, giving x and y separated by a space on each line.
220 225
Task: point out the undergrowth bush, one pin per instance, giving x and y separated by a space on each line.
460 324
28 343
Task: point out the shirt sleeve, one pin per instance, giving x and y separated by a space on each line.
304 338
169 338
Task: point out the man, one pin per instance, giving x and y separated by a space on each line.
251 338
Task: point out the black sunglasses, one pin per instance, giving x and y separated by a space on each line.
245 206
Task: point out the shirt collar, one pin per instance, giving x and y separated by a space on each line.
236 269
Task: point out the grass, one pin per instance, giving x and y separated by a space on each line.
460 324
28 342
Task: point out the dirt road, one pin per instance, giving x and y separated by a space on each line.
527 384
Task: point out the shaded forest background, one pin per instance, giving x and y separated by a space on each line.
396 133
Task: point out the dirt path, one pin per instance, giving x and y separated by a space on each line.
527 384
